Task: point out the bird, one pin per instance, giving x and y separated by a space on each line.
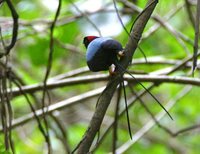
103 53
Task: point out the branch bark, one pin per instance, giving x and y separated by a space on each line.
57 106
158 78
104 101
15 28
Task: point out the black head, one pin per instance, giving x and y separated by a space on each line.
88 39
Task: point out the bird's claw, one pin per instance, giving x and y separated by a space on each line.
112 71
121 53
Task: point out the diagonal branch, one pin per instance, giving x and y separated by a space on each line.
104 101
57 106
151 123
196 38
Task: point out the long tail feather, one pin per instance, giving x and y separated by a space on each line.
124 70
126 105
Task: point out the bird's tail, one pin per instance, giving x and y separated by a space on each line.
123 70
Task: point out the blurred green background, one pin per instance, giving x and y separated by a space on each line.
28 59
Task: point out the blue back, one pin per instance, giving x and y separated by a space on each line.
94 46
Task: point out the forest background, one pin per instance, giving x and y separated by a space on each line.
48 96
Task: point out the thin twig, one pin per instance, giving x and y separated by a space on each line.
189 11
130 103
15 28
86 16
34 113
57 106
116 118
49 65
180 37
167 17
63 134
151 123
196 39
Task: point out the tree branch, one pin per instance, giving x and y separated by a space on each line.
15 28
57 106
196 38
151 122
104 101
104 77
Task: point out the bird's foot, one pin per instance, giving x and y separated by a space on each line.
112 70
121 53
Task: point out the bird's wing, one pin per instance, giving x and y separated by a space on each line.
111 45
